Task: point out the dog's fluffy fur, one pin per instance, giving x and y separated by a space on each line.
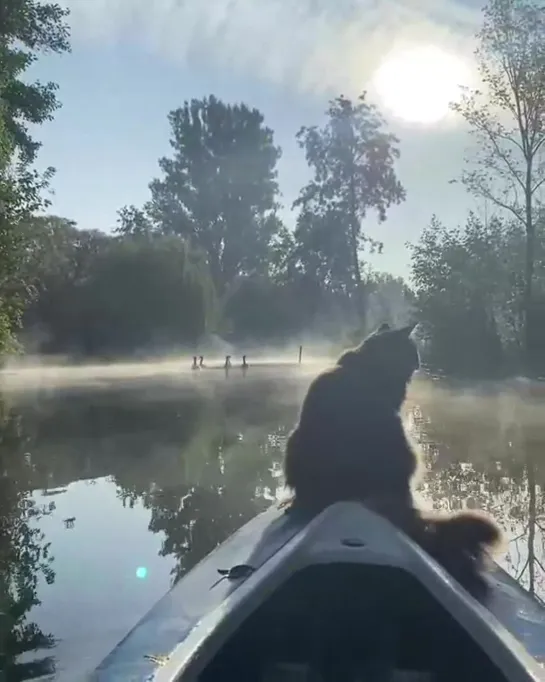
350 444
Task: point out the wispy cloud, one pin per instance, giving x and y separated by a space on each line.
311 45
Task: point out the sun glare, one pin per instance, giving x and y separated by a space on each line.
418 84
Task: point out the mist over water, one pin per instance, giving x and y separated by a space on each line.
32 373
120 477
123 462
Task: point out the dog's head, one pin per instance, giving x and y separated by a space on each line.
384 362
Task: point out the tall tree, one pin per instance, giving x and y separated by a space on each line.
27 28
323 250
506 119
219 189
352 158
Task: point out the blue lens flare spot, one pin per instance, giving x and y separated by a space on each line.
141 572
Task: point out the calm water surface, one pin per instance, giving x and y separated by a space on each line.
109 493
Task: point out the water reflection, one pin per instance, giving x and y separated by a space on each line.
129 488
24 557
485 452
225 472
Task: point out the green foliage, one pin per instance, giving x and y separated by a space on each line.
506 121
352 159
259 309
219 195
98 294
143 294
322 247
28 27
469 287
134 221
390 300
219 190
20 196
59 260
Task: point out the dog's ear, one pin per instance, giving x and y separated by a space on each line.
384 327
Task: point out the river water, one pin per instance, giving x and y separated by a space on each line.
113 485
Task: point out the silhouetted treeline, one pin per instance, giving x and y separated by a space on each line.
208 251
469 285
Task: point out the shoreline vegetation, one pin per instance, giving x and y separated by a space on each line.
208 254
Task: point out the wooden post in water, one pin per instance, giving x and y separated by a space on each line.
300 354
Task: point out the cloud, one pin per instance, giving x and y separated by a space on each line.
310 45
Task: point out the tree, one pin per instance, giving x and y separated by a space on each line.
260 309
133 221
144 293
59 259
323 250
470 291
20 197
219 190
389 299
352 158
27 27
506 120
100 294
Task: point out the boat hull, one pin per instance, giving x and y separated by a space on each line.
191 622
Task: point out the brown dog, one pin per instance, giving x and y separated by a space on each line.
350 444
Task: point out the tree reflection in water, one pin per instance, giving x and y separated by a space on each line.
204 461
482 450
223 475
24 556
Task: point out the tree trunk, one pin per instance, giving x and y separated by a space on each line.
354 232
528 274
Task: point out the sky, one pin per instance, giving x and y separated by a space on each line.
133 61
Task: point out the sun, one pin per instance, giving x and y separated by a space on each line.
418 84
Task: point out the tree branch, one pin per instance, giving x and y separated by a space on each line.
534 189
538 145
502 154
538 562
519 576
487 194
